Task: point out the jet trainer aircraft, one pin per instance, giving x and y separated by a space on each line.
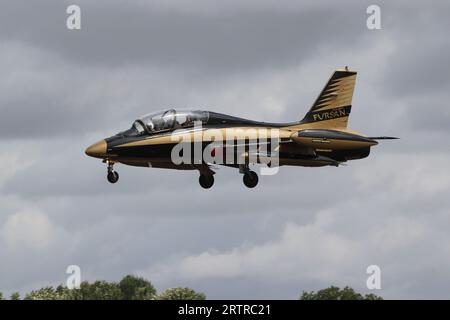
321 138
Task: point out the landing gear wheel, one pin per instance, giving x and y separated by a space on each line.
206 181
113 176
250 179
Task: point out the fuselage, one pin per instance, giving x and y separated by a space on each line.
299 144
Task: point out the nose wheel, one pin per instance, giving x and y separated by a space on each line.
112 176
206 181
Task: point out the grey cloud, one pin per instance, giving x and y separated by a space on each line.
63 90
231 42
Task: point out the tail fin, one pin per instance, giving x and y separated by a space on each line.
332 107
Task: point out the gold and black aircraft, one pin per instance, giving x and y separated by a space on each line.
321 138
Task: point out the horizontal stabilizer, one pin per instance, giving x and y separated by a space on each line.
382 138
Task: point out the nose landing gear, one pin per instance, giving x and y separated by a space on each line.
112 176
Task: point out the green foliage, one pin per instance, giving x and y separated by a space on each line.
47 293
99 290
180 294
15 296
372 296
129 288
136 288
335 293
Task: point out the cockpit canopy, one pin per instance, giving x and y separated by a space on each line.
169 120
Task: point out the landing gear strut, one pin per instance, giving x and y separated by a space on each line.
112 176
250 177
206 181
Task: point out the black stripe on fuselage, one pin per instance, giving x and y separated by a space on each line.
219 120
164 150
121 139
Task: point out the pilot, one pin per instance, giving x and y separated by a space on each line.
188 121
182 121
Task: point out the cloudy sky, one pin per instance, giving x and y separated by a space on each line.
302 229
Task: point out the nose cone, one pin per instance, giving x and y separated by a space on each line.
97 150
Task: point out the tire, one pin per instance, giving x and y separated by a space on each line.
206 181
250 179
113 176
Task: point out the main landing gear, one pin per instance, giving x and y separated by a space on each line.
112 176
206 181
250 177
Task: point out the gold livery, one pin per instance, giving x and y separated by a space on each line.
321 138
